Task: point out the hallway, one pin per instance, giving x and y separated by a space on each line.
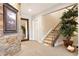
33 48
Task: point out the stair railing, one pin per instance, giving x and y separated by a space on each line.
56 36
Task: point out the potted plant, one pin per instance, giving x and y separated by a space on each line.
23 29
69 24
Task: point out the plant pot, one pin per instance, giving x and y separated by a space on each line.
67 43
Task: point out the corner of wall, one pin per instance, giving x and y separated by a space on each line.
46 35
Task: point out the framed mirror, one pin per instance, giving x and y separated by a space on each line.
9 18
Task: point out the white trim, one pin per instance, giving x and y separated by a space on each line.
46 35
59 43
52 9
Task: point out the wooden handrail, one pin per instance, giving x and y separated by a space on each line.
55 39
57 26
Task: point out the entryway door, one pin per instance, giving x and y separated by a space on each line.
35 30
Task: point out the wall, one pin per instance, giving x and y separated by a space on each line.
1 20
9 43
15 5
78 29
43 24
38 19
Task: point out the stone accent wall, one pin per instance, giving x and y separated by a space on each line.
10 43
1 19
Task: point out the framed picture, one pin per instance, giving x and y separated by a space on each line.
9 18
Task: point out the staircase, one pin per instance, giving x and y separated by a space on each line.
52 36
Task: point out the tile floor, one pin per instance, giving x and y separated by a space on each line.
33 48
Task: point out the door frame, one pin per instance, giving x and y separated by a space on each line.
27 29
35 30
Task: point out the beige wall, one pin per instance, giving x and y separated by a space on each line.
78 28
16 5
45 23
51 20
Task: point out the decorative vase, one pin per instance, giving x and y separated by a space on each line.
67 43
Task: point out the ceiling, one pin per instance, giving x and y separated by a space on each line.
36 8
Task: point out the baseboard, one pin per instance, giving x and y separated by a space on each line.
46 35
25 40
59 43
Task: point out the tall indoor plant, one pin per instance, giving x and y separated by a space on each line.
23 30
69 24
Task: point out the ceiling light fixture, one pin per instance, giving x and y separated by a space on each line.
29 10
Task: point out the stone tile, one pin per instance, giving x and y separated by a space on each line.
1 9
9 45
33 48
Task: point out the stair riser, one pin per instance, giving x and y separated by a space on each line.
49 40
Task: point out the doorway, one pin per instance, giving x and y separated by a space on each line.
25 28
35 30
